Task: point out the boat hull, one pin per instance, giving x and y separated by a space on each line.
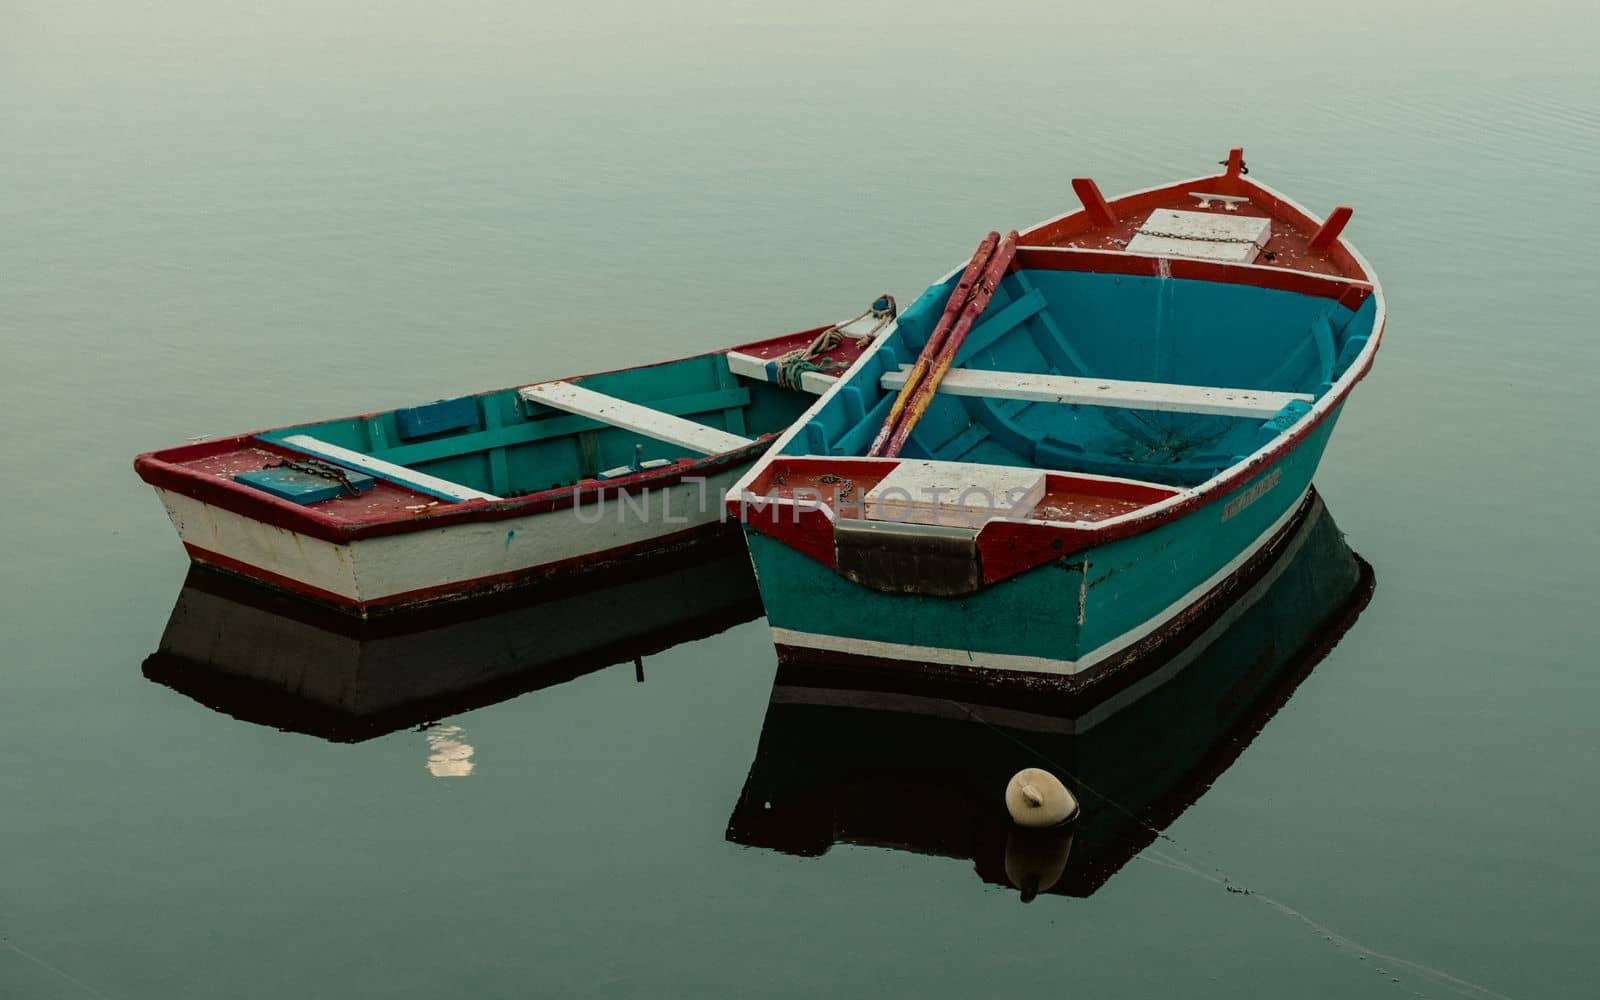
909 764
1069 623
458 561
274 660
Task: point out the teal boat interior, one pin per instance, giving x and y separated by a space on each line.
520 441
1159 379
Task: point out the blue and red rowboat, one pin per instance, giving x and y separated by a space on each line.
475 495
1133 419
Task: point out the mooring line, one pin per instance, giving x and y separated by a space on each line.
41 963
1454 983
1152 855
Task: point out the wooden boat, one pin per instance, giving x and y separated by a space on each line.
469 496
920 764
269 658
1137 395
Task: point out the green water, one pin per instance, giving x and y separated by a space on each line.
216 219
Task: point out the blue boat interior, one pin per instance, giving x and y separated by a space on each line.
506 443
1200 340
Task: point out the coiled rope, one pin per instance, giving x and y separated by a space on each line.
793 366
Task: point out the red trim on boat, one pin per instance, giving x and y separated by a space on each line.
804 528
164 469
1330 229
1235 166
1094 203
217 559
774 346
1082 229
1347 291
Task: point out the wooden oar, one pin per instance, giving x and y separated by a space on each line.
930 350
976 304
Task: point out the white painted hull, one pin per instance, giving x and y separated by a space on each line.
457 560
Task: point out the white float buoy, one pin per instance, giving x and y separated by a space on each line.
1036 798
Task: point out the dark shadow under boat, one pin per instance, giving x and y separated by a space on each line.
278 661
844 758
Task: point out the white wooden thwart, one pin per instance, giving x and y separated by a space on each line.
750 366
1173 233
1109 392
385 470
955 494
573 398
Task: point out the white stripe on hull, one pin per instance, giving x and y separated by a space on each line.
1031 664
314 562
372 569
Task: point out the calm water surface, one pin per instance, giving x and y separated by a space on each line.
222 219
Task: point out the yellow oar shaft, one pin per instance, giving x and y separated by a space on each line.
922 397
930 350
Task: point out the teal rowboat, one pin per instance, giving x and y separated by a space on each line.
1135 415
475 495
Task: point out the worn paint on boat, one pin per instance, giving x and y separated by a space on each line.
1175 407
470 496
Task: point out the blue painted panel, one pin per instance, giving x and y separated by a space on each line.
541 449
858 438
437 418
999 323
855 410
917 320
816 439
302 487
1286 418
1192 332
1347 357
1109 326
1322 336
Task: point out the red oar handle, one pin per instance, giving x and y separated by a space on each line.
918 404
930 350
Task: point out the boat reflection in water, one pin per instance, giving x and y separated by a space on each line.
278 661
849 758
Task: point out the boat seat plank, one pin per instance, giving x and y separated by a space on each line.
572 398
420 481
554 426
760 369
1109 392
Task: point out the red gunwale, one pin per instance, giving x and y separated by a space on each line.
159 470
165 469
1073 241
806 522
1348 292
1077 230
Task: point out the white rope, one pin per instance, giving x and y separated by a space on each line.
797 362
